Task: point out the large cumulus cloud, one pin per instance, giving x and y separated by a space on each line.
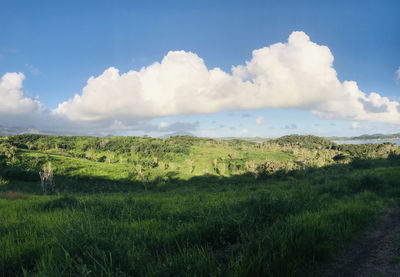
13 101
295 74
16 109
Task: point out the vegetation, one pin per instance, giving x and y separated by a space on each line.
369 137
184 206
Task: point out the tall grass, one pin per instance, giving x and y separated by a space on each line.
198 207
276 227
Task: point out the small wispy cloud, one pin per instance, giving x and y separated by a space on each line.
178 126
10 50
260 120
162 125
397 77
33 70
290 127
355 125
243 132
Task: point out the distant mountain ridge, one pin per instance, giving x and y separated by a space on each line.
10 131
368 137
178 134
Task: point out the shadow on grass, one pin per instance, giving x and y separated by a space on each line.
302 220
16 178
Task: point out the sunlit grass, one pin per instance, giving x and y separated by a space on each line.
190 215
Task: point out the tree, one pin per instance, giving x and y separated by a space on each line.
29 145
47 179
251 166
191 165
215 165
90 154
9 151
141 175
110 156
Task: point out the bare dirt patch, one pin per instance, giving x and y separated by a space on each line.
377 253
12 195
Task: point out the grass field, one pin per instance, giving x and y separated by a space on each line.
209 209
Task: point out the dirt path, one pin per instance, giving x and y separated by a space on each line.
377 253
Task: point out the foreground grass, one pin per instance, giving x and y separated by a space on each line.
210 226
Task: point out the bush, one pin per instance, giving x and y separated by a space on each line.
102 159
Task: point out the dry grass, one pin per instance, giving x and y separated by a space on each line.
12 195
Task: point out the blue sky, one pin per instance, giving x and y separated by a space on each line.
59 45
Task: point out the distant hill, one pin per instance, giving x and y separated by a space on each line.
250 139
9 131
302 140
377 136
178 134
306 141
368 137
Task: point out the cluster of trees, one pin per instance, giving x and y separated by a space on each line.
119 145
308 142
369 151
8 150
152 160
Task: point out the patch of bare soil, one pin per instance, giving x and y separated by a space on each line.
377 253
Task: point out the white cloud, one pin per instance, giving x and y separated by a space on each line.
355 125
179 126
162 125
33 70
290 127
297 74
180 84
17 110
398 74
13 102
260 120
243 132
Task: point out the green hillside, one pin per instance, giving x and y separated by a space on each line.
185 206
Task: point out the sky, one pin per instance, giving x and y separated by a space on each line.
209 68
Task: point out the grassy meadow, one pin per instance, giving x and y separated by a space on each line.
185 206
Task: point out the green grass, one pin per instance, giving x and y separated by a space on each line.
103 221
258 228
